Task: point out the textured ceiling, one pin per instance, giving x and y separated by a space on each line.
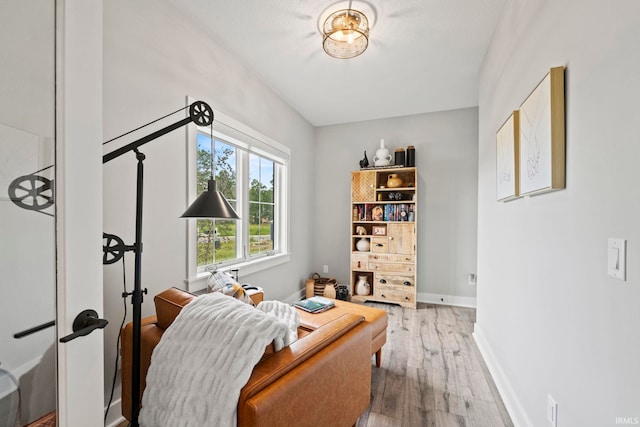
423 55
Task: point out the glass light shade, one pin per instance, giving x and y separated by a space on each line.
345 34
210 204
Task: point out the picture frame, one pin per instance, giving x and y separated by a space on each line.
507 159
542 136
379 230
377 213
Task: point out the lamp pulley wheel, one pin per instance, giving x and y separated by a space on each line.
32 192
113 248
201 113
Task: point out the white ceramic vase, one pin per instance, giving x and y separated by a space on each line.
362 286
363 245
382 157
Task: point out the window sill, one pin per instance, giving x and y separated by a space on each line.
199 282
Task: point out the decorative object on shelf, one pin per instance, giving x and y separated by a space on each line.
363 245
382 157
411 156
363 287
377 213
365 161
379 230
394 181
361 231
399 159
345 34
396 196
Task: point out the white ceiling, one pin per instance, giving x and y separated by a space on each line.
423 55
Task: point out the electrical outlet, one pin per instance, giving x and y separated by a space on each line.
471 279
552 411
325 268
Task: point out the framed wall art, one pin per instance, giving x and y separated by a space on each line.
542 136
507 159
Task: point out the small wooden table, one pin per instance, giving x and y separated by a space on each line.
376 318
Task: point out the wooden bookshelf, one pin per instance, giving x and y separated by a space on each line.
385 217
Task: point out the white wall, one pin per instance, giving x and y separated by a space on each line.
446 157
27 238
153 59
549 318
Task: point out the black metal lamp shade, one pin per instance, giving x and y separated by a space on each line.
210 204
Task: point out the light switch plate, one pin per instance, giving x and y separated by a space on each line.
617 258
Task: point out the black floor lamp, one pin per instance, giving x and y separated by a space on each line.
210 204
33 192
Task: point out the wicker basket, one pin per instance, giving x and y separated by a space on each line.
316 284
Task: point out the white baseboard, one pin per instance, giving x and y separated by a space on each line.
511 402
296 296
115 414
447 300
422 297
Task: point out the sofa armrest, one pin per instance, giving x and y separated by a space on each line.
322 378
169 303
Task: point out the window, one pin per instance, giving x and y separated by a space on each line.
261 205
250 171
217 239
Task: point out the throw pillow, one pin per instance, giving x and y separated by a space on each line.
223 283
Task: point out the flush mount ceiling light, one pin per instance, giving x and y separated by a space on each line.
345 33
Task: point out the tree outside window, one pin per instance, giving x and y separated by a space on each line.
217 239
261 205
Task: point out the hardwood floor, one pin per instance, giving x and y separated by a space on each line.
432 373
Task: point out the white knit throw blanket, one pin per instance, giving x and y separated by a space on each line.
204 359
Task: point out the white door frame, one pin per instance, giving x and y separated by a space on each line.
79 208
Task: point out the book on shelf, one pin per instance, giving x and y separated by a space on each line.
398 212
315 304
380 212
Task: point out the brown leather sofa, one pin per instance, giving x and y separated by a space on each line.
324 378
